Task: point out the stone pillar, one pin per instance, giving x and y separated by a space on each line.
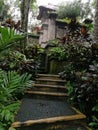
44 35
51 29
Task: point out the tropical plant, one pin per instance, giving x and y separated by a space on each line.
33 50
57 53
52 43
74 9
12 85
94 123
81 72
68 72
12 57
69 10
82 87
67 53
7 114
15 60
8 38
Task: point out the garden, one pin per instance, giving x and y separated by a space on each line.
81 72
75 58
20 61
18 66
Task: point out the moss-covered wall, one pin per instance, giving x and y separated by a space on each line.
56 66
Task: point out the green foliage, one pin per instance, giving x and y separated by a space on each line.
69 72
74 9
11 86
70 10
17 61
95 108
14 60
1 4
7 113
57 53
68 51
71 92
33 50
8 38
12 83
34 8
82 87
22 63
52 43
94 123
81 73
3 9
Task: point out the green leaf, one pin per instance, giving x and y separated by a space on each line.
7 115
95 108
93 124
1 127
13 107
8 38
11 128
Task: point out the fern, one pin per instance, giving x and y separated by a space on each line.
11 84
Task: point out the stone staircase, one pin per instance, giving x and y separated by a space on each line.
49 85
45 107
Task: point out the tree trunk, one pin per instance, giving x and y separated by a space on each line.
25 6
96 24
95 44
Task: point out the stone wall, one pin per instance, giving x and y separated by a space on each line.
51 28
60 32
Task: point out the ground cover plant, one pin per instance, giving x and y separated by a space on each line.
17 55
12 86
82 74
16 71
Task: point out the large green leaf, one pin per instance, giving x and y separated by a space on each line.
11 82
8 37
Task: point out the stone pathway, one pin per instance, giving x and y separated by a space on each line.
45 107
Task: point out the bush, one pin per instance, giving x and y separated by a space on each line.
12 86
82 87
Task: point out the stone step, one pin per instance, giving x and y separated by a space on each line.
49 88
46 111
55 127
45 107
50 81
48 76
55 94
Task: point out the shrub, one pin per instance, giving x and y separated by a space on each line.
12 85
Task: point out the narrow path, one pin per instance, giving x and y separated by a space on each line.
45 107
